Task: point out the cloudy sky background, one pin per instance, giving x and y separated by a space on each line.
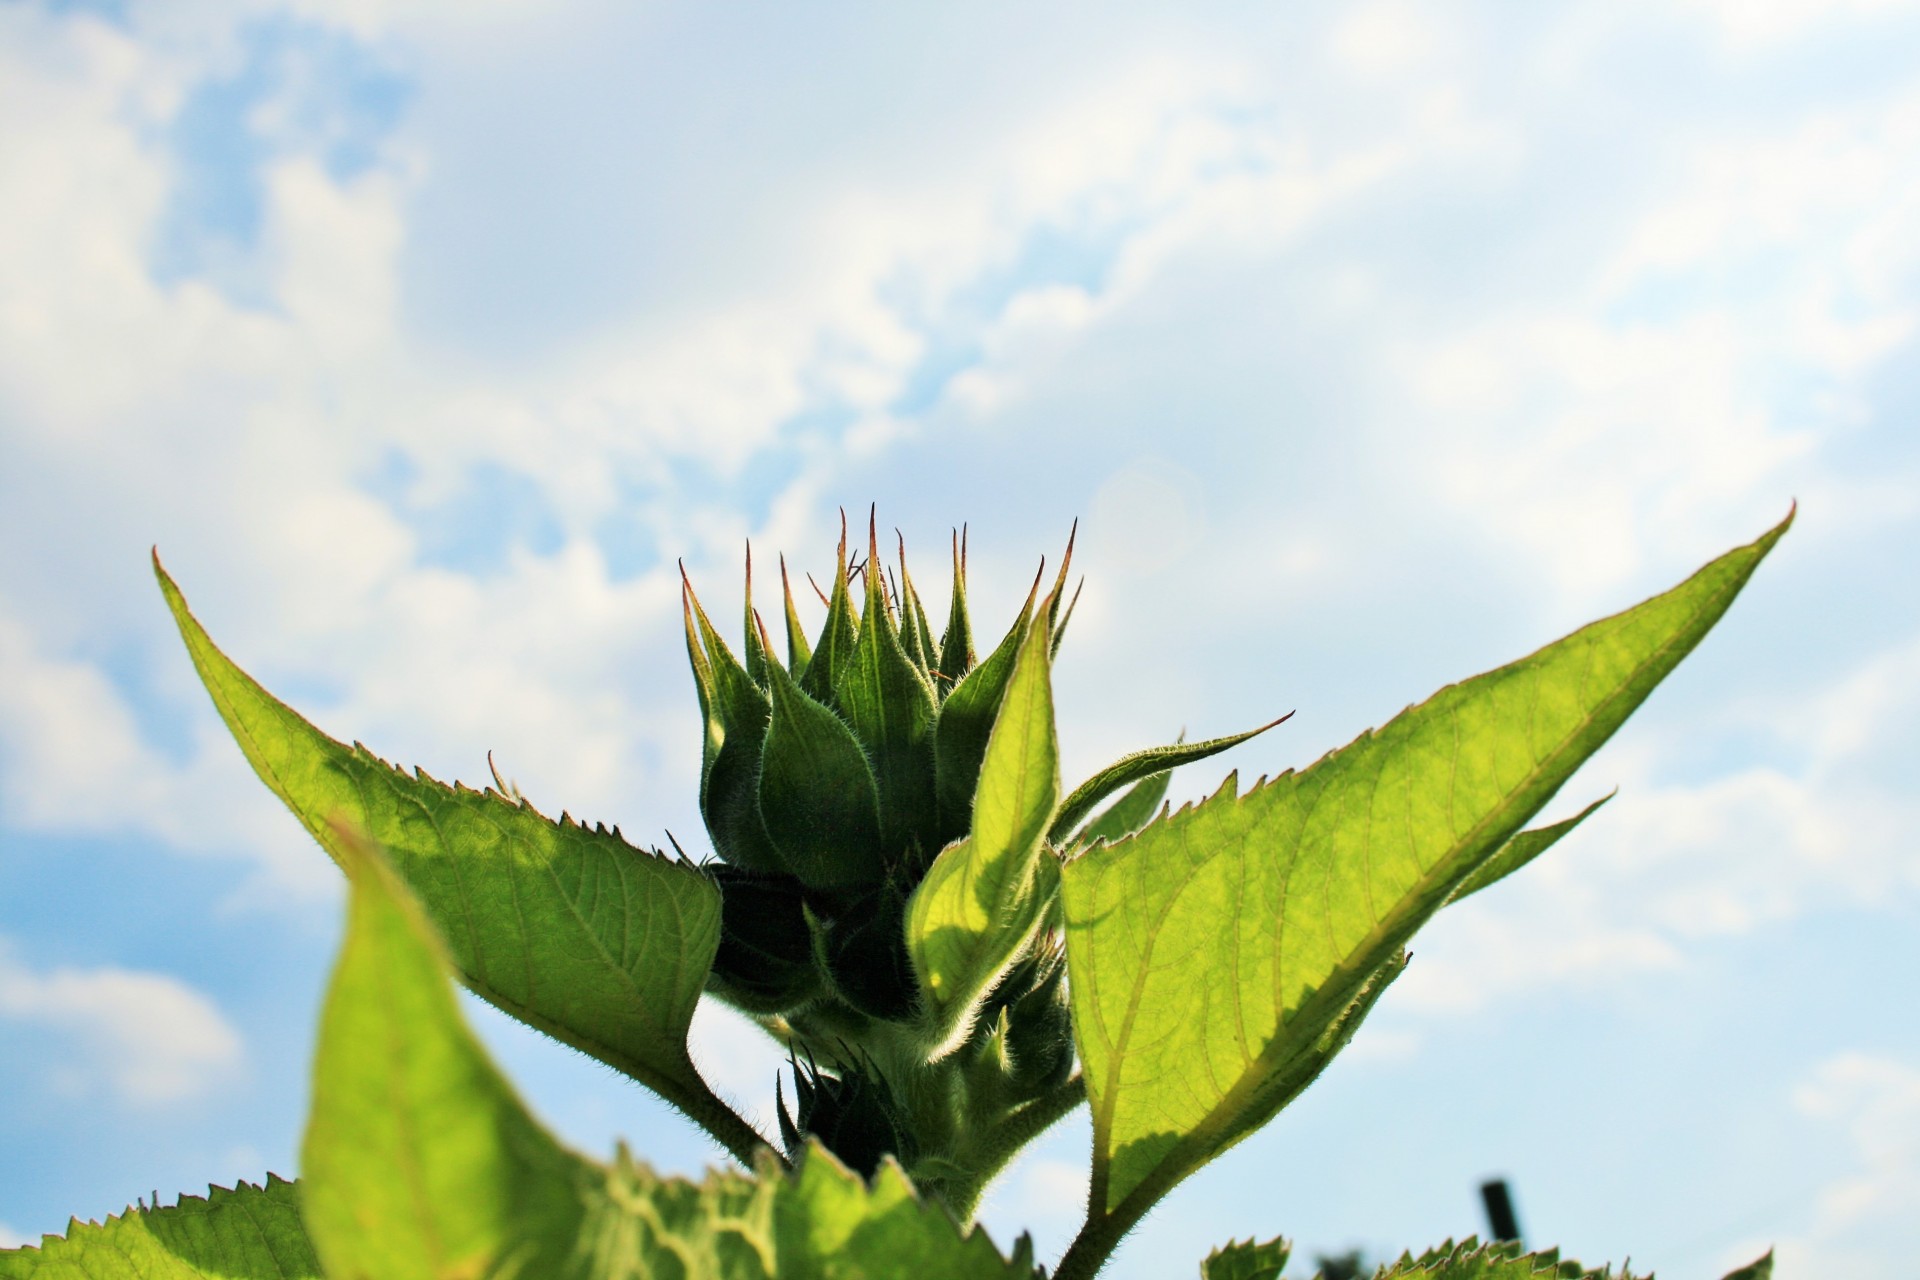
1373 345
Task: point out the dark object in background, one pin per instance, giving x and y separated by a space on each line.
1502 1224
1350 1265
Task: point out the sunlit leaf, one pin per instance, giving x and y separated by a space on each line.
1207 950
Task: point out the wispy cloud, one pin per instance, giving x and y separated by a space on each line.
143 1039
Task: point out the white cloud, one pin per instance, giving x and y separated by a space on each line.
73 759
1670 865
1862 1222
11 1239
1764 24
145 1039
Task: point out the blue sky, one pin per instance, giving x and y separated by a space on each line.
1372 344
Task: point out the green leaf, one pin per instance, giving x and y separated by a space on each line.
1206 951
248 1233
817 794
568 928
422 1162
1760 1268
1521 850
1246 1260
891 707
984 896
966 720
1137 766
832 1226
1496 1260
419 1159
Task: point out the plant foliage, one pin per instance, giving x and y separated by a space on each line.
954 949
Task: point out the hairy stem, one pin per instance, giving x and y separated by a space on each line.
725 1125
1006 1140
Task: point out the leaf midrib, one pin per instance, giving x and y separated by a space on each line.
1234 1100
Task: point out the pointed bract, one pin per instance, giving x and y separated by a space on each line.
891 707
818 798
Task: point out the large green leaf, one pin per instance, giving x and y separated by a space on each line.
1206 952
982 899
1247 1260
248 1233
568 928
421 1161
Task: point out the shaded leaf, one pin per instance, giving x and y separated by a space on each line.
422 1162
248 1233
419 1160
568 928
1207 950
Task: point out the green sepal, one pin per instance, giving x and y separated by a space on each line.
1136 767
833 652
1039 1033
1522 849
890 705
916 633
862 948
1126 815
248 1233
799 653
818 797
981 902
850 1110
1247 1260
737 710
764 964
754 645
966 720
956 643
1066 616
